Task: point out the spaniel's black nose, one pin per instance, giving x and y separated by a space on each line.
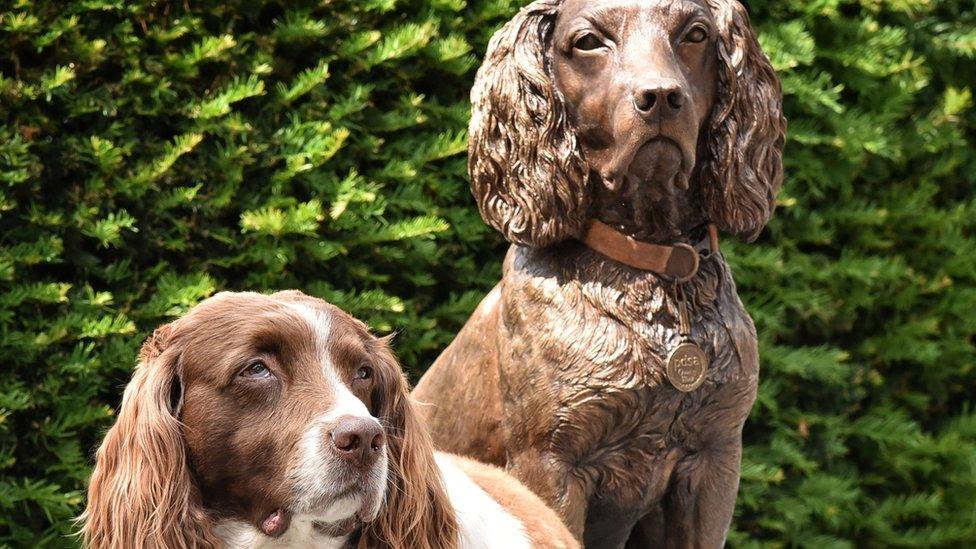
357 440
663 97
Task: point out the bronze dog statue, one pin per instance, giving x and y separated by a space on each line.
608 137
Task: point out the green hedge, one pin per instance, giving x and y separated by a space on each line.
152 153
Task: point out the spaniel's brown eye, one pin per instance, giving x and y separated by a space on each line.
588 42
364 372
697 35
256 370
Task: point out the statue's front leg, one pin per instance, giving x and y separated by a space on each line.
552 481
697 509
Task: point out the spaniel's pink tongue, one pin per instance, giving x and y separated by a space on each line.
276 523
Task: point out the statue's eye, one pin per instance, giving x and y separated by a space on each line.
588 42
697 35
256 370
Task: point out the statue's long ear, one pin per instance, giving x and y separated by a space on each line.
741 166
527 170
141 493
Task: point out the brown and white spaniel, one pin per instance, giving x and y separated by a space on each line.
280 421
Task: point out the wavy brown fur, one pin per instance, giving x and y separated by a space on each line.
417 511
141 493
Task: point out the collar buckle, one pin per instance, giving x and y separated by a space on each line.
679 261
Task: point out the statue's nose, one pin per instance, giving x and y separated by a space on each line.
659 97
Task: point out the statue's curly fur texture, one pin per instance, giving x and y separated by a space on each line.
741 167
559 374
527 170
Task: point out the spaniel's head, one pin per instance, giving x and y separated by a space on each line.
257 416
652 115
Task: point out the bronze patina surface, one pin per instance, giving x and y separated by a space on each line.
655 118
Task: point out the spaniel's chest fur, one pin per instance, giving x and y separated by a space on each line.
482 520
598 336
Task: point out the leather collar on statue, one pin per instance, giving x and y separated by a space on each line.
679 261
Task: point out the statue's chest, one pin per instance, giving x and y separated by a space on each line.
598 355
586 351
622 338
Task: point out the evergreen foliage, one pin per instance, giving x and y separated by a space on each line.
152 153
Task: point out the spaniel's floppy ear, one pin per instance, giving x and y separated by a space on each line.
527 170
741 167
141 493
417 512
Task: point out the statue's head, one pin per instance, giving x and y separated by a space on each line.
629 111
